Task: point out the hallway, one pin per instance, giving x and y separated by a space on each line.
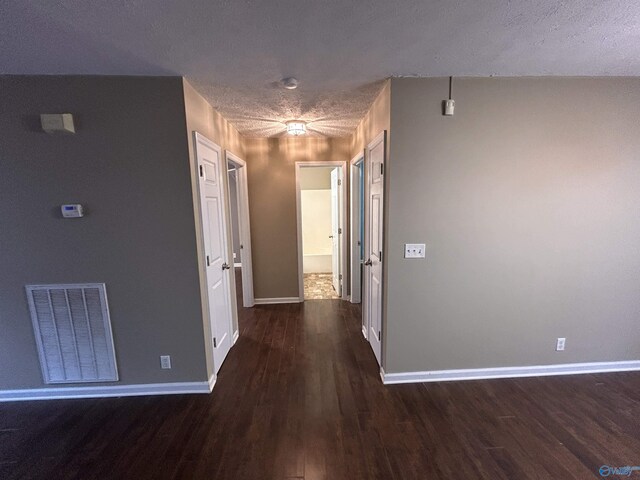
300 397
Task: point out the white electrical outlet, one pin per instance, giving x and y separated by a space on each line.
165 361
414 250
560 344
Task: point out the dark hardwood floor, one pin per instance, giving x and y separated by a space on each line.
300 397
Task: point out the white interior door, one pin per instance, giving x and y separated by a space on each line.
373 242
210 171
356 220
335 230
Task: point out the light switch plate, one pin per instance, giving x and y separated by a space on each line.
414 250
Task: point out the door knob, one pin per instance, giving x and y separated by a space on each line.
225 266
368 263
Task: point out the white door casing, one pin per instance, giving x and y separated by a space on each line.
335 231
343 218
375 160
215 236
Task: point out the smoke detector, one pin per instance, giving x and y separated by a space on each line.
290 83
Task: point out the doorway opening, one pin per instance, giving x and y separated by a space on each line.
356 222
321 208
240 230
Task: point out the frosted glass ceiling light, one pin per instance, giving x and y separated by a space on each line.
296 128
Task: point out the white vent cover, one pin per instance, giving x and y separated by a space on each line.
73 332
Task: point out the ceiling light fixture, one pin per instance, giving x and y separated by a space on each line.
296 128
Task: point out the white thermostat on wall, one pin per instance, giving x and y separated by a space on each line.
72 210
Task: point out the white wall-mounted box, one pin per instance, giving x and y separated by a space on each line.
57 122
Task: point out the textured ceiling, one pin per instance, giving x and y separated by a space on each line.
235 51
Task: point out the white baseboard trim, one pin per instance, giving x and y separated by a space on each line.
509 372
236 335
364 332
273 301
212 382
107 391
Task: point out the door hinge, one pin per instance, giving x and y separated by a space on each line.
382 169
241 246
339 231
201 174
340 276
215 345
380 256
208 261
379 335
339 182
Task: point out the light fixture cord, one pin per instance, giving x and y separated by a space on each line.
450 87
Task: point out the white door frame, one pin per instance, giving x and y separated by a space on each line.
244 227
198 138
343 219
355 282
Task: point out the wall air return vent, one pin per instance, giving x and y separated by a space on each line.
73 332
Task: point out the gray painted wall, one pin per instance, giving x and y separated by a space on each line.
528 200
129 165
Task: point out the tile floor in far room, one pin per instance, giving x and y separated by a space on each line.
319 286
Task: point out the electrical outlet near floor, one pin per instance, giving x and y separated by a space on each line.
165 361
560 344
